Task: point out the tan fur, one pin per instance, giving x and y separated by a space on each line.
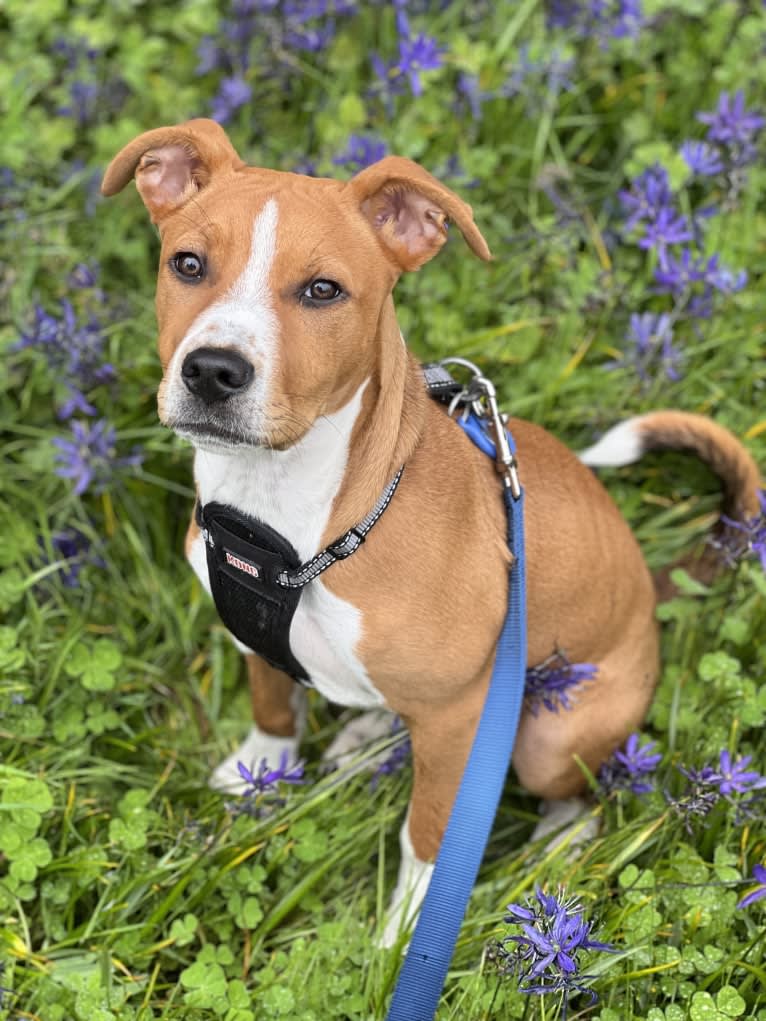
431 579
716 446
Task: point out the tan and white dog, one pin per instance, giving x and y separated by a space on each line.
284 365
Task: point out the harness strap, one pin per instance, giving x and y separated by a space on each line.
340 549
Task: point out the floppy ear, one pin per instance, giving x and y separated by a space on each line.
172 164
410 211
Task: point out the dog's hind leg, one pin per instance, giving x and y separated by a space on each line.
279 718
605 712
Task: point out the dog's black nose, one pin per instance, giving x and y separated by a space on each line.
213 374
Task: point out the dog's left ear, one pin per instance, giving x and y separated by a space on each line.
410 211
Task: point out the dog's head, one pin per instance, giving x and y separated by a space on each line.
272 286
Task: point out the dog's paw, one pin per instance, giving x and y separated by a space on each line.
411 888
257 746
355 736
570 821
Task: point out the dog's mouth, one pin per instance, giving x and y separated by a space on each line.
208 435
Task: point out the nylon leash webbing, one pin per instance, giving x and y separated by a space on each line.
425 967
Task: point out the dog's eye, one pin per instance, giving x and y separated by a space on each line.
322 290
188 265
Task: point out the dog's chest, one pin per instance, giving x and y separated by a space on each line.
324 635
292 492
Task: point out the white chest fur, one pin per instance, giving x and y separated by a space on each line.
292 491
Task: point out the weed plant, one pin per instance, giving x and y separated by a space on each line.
613 154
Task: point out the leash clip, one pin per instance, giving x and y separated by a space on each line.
480 397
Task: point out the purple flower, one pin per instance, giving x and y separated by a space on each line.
699 798
546 954
759 876
89 458
398 758
266 779
730 124
551 683
675 275
470 92
212 56
549 75
667 228
74 353
649 195
232 94
627 768
651 337
416 55
744 538
735 778
73 548
599 19
361 151
702 159
83 276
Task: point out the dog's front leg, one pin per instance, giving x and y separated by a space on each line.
279 717
441 737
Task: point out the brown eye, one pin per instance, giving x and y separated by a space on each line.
322 290
187 265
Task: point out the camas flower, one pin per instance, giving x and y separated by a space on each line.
74 352
759 892
545 956
709 785
266 779
361 151
398 757
730 123
649 195
233 93
551 684
89 458
628 768
702 159
598 19
744 538
73 548
735 778
651 346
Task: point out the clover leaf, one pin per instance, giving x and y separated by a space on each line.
95 665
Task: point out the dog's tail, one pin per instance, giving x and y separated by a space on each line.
679 430
716 447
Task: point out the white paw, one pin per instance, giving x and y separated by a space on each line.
259 745
355 736
411 888
570 821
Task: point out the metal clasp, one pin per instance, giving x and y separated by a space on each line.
480 397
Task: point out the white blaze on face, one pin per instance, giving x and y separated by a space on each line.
243 319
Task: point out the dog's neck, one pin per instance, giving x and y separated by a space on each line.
317 489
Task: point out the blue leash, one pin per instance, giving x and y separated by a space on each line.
422 976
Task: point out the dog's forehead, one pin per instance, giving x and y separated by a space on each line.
313 216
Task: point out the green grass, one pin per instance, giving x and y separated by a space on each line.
128 889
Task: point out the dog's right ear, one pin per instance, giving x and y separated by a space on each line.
172 164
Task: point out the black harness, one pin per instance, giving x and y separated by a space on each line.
256 575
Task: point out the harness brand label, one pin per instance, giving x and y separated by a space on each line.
242 565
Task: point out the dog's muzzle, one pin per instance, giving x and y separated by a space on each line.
215 374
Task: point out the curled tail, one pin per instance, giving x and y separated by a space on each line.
679 430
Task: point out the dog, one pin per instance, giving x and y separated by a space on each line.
284 365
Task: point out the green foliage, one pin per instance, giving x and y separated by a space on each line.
128 890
